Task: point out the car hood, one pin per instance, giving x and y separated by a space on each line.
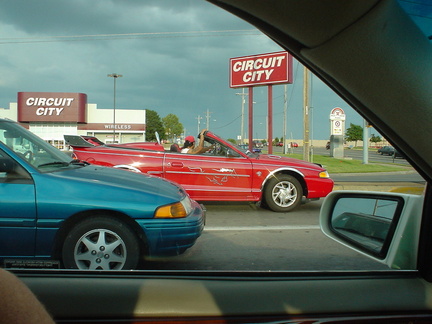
90 178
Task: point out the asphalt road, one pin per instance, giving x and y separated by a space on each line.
243 237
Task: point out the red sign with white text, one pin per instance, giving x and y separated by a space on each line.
271 68
52 107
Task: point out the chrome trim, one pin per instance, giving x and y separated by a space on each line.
127 167
277 171
212 174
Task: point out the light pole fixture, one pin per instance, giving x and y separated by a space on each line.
115 76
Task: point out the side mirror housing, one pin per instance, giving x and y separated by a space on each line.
6 165
382 226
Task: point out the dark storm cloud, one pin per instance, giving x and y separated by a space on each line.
173 56
65 17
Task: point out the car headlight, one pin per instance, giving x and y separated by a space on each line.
324 174
176 210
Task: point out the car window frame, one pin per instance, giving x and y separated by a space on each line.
304 290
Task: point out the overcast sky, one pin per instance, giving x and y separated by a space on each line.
173 56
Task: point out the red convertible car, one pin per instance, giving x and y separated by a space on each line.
226 172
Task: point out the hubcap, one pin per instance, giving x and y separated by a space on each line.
100 249
284 194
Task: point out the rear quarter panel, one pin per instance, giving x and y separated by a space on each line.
148 162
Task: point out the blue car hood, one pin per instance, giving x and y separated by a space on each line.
110 181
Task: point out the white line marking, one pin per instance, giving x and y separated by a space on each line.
261 228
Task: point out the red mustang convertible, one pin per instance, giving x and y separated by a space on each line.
226 172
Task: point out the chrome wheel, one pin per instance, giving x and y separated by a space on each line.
283 193
101 243
100 249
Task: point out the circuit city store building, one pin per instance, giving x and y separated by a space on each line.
50 115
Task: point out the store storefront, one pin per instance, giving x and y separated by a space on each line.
50 115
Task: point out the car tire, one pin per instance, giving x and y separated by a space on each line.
283 193
101 243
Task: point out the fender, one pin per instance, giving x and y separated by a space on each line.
282 170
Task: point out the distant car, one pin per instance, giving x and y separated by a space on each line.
258 144
85 216
226 172
279 144
294 144
386 150
254 149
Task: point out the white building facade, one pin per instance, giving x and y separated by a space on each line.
50 115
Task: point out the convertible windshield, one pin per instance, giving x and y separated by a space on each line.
244 148
31 148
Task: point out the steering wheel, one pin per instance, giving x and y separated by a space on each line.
28 155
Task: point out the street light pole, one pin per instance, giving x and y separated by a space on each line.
115 76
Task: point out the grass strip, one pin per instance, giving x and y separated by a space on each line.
337 165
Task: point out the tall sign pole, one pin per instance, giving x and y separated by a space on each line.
285 119
250 118
306 146
337 131
270 119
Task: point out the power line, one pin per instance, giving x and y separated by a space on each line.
232 121
80 38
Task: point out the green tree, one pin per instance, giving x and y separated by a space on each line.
354 133
153 124
375 139
172 126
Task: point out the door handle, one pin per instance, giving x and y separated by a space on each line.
176 164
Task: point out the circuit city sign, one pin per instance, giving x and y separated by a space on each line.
52 107
271 68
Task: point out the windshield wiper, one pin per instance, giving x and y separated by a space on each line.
53 163
79 162
61 163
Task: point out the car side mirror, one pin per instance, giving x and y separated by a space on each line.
382 226
7 165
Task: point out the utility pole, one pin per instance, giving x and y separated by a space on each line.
306 143
365 142
208 119
242 94
199 123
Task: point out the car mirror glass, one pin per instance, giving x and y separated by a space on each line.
6 165
366 222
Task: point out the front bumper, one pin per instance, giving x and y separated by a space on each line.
166 237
